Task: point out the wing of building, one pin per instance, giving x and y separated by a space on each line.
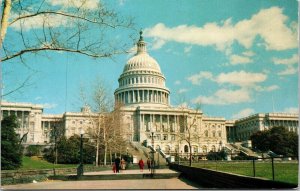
145 101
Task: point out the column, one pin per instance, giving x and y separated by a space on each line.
144 122
138 96
168 122
161 122
133 96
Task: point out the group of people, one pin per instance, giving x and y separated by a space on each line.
119 164
141 164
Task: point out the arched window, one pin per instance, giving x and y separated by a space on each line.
214 134
220 134
204 149
186 149
213 148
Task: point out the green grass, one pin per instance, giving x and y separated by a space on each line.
283 171
30 163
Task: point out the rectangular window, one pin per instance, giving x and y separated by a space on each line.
165 137
173 137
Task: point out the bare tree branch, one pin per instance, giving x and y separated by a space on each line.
63 14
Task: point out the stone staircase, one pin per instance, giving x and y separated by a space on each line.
246 151
140 151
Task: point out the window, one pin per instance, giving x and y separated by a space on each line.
186 148
173 137
165 137
158 137
206 133
220 134
195 149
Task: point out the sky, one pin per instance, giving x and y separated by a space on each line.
234 58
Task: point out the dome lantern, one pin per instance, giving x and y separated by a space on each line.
141 45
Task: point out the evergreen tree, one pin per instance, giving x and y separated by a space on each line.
278 139
11 149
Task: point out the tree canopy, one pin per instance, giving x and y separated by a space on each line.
277 139
11 149
68 151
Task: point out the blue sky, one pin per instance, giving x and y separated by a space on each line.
234 57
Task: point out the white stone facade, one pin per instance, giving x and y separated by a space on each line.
146 109
29 117
245 127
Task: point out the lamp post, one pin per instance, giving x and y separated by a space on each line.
152 156
54 133
80 167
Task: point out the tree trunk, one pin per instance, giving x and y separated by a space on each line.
105 154
190 160
97 152
4 20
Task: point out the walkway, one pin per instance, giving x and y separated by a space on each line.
147 183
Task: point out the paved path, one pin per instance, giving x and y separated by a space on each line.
135 171
171 183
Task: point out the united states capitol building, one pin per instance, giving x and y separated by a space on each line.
147 110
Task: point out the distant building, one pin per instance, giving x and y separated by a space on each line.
29 117
245 127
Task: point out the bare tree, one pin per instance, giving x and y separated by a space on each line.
187 127
84 27
106 131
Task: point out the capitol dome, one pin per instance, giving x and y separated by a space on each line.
142 80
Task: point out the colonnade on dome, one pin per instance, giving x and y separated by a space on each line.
142 96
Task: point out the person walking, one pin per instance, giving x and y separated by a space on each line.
117 163
141 165
123 164
148 164
114 168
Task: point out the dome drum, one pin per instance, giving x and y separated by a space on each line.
150 95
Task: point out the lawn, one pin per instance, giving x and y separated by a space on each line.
37 163
283 171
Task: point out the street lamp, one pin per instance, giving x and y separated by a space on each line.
152 156
54 131
80 167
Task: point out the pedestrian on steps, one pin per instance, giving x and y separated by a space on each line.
141 165
148 164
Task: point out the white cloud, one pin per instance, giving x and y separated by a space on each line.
38 98
288 71
84 4
183 105
237 59
49 105
158 43
243 113
290 63
269 24
177 82
187 49
225 97
183 90
291 110
268 89
197 78
38 21
286 61
248 53
241 78
121 2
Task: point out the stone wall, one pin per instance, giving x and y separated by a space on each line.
27 176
